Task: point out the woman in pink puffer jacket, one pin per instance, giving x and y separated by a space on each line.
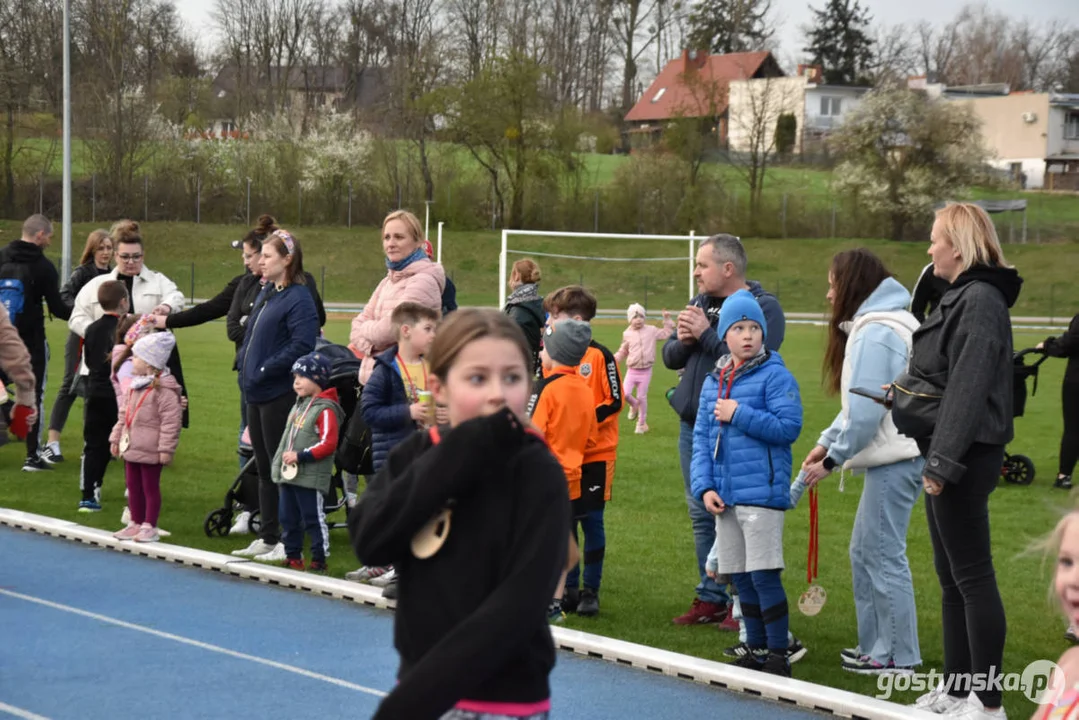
147 432
411 277
639 351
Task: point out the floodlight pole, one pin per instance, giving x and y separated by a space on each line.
692 262
65 255
438 257
427 220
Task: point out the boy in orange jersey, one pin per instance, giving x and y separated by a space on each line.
599 368
562 409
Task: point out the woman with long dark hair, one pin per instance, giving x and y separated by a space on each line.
869 339
281 329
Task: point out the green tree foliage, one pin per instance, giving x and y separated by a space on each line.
786 133
729 26
839 42
901 153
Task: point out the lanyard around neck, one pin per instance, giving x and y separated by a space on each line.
408 376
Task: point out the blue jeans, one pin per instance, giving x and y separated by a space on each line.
883 589
704 524
595 544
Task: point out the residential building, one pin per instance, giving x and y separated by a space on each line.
695 85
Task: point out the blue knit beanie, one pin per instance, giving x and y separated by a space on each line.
737 307
315 367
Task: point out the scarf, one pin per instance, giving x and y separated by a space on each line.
522 294
417 254
138 382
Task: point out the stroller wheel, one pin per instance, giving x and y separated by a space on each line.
218 523
1019 469
254 524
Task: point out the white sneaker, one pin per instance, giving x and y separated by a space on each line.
632 413
384 579
256 548
973 710
276 554
241 526
939 701
163 533
125 517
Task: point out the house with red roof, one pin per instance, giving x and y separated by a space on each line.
695 85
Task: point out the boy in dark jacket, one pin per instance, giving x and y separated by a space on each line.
396 399
99 411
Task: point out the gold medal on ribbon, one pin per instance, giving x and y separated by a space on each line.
432 536
812 600
289 471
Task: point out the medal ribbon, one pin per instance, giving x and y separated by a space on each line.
297 424
413 393
129 417
814 542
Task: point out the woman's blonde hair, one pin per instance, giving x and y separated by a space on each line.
969 229
1049 548
528 271
93 244
415 227
467 326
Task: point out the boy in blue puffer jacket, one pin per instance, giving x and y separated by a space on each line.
750 413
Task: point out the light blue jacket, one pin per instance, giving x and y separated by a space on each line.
748 460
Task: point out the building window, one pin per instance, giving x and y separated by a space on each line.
1071 126
832 106
659 94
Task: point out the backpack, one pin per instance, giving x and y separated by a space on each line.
14 281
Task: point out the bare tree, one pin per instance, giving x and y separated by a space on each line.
895 55
478 24
636 24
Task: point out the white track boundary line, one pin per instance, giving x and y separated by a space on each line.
786 691
20 713
193 643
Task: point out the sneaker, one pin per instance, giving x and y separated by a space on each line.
642 429
729 624
317 567
752 660
275 555
589 604
1064 482
88 506
737 651
35 464
385 578
128 533
939 701
850 653
632 413
776 663
294 564
390 591
1072 634
796 650
364 574
242 524
571 597
163 533
147 534
258 547
866 665
974 711
125 516
554 613
701 613
51 454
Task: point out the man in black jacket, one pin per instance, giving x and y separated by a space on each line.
27 278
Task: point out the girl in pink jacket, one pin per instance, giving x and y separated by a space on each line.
147 433
639 351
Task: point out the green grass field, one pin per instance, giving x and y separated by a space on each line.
348 263
650 569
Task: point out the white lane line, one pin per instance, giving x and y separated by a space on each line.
20 713
194 643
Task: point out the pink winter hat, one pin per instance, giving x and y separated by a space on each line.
154 349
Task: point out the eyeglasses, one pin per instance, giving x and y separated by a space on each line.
125 257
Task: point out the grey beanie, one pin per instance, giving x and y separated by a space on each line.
566 341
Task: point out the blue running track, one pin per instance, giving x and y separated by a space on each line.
93 633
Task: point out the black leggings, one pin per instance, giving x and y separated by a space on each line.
1069 441
267 424
971 610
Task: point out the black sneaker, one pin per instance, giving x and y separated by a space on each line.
571 596
35 464
752 660
1064 482
796 650
51 454
589 603
776 663
737 651
390 591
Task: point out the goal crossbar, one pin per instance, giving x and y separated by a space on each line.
503 269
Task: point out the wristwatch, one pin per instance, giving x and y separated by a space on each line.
828 463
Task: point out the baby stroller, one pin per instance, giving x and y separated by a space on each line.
243 492
1019 469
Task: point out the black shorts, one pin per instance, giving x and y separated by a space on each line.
593 489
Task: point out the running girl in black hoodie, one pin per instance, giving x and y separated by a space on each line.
475 515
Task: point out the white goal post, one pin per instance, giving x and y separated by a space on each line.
504 265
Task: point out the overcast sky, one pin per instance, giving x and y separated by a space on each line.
792 14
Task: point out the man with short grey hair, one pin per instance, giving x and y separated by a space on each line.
27 278
720 272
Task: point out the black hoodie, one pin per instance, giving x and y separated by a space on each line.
965 347
41 282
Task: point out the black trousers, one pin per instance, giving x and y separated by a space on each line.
267 424
971 609
39 362
1069 441
99 417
